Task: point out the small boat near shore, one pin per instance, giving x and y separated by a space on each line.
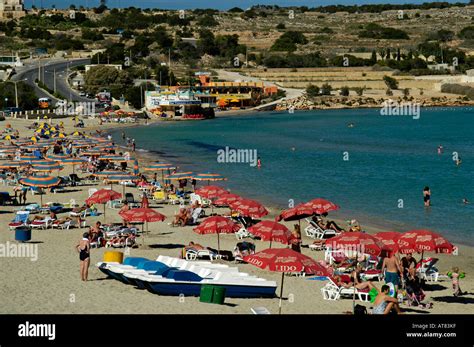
174 276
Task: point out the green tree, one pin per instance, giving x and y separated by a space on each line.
376 31
236 10
326 89
288 41
206 43
312 91
359 90
107 77
344 91
207 21
391 82
27 98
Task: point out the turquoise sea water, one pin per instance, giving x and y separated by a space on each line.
389 158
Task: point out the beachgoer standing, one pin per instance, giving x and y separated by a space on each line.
259 163
455 276
83 248
124 209
296 240
123 136
392 268
427 196
440 149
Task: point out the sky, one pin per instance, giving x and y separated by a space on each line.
221 5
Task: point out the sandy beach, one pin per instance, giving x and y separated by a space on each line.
52 283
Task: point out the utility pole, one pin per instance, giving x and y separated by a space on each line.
246 58
16 94
141 96
67 76
54 80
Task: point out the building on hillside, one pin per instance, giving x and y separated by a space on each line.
11 9
441 67
10 60
231 94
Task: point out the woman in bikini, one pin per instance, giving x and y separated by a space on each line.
83 248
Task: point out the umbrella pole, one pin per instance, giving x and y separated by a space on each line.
270 243
104 213
218 244
281 292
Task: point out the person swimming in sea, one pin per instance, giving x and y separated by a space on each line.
427 196
465 201
440 149
458 161
259 163
350 125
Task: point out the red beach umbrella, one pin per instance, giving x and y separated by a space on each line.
389 240
356 241
321 206
249 208
285 260
217 225
295 213
423 241
142 214
211 192
269 230
103 196
226 199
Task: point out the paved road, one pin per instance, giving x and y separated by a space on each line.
30 72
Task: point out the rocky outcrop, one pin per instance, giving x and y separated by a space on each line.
330 102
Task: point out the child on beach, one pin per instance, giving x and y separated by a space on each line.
455 276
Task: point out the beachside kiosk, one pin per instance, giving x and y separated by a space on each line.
175 103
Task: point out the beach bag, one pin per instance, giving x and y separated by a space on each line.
359 309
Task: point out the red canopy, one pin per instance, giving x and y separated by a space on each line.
321 206
423 241
357 242
298 212
285 260
226 199
216 225
249 208
211 192
389 239
102 196
271 231
142 215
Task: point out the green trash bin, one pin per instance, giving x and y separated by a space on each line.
219 295
207 293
